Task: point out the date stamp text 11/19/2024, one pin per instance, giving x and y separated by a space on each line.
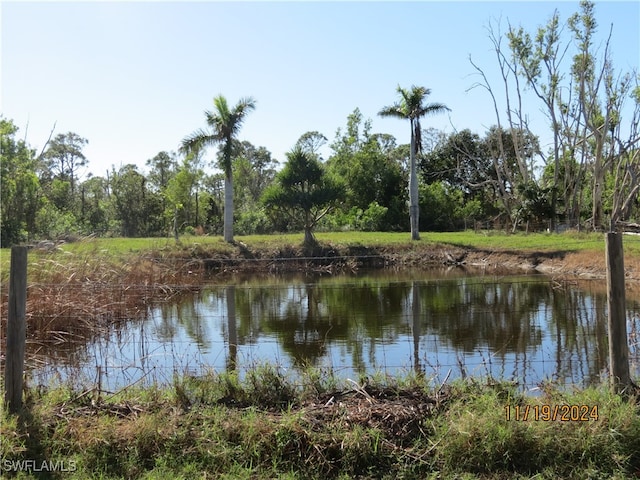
551 413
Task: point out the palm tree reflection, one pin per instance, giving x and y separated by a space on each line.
232 329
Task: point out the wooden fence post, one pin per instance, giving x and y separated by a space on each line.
16 329
618 343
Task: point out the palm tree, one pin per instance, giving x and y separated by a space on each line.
224 124
411 106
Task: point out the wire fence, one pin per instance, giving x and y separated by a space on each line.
527 329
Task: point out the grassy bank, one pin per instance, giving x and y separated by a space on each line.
268 425
120 252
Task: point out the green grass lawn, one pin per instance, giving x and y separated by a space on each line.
521 241
570 241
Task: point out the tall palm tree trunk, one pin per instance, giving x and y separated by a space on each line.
411 107
414 208
224 124
228 207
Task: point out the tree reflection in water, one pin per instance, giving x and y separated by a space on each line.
527 328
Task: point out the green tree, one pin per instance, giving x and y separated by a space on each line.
303 192
602 93
312 142
224 124
162 168
412 107
535 205
95 204
511 153
213 184
487 174
20 193
253 170
461 160
64 158
181 193
445 204
375 197
59 175
457 158
137 209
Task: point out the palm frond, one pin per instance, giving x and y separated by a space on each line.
395 110
213 119
224 124
197 141
411 106
240 111
433 108
222 107
246 104
405 95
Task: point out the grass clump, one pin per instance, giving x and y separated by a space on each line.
477 437
264 386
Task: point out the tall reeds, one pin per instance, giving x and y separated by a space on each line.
76 297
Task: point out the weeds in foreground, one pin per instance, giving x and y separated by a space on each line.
268 425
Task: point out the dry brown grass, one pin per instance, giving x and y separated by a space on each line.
79 297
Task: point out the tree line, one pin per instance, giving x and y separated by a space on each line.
588 178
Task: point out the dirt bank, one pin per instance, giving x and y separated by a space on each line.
337 258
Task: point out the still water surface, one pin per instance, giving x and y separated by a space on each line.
523 328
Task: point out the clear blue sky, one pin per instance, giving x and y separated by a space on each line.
135 78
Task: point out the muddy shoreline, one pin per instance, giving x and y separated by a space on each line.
337 259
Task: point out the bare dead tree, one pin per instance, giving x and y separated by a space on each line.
517 125
46 144
627 153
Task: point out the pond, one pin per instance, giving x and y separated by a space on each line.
444 324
